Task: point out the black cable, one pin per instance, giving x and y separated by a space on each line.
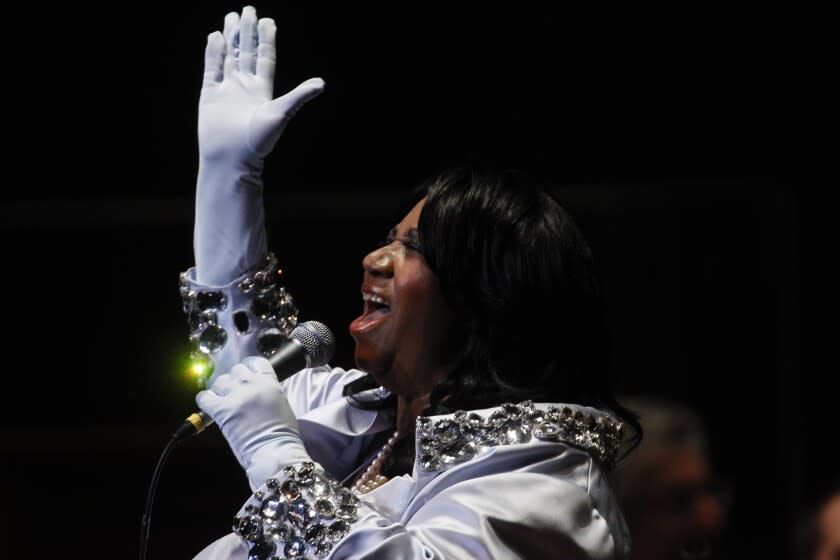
193 425
147 515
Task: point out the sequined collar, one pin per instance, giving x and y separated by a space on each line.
448 440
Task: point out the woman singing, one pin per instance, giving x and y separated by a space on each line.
479 421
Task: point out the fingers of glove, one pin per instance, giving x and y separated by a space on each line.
224 384
240 373
209 402
266 51
231 34
289 104
248 40
259 365
214 56
271 118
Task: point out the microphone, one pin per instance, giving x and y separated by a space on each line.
311 344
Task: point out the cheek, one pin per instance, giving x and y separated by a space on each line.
426 319
420 297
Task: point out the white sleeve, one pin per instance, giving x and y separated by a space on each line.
312 388
507 515
229 547
302 513
246 317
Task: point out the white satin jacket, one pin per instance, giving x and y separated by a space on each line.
517 481
541 498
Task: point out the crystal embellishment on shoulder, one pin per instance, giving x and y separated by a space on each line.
452 441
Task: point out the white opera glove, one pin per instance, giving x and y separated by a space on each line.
256 419
239 122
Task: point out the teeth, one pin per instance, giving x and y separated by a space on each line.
374 298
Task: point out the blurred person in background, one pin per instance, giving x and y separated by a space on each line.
673 505
818 531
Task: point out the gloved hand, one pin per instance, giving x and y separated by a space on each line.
256 419
239 123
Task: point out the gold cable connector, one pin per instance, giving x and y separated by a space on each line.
197 421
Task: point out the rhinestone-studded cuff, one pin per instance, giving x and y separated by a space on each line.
452 441
254 308
302 513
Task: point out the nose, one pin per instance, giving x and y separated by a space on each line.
379 262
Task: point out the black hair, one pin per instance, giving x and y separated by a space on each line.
520 278
516 270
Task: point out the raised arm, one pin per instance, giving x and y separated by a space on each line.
233 298
239 122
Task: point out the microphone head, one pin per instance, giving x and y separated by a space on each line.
318 341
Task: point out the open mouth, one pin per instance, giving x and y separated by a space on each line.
374 303
376 309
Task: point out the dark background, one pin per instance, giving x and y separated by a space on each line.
672 131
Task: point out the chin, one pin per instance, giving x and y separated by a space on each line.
377 371
367 364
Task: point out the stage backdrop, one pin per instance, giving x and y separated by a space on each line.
668 130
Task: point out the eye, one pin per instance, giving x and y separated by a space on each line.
411 245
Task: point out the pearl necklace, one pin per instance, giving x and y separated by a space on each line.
370 477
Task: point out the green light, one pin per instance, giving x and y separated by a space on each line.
197 369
